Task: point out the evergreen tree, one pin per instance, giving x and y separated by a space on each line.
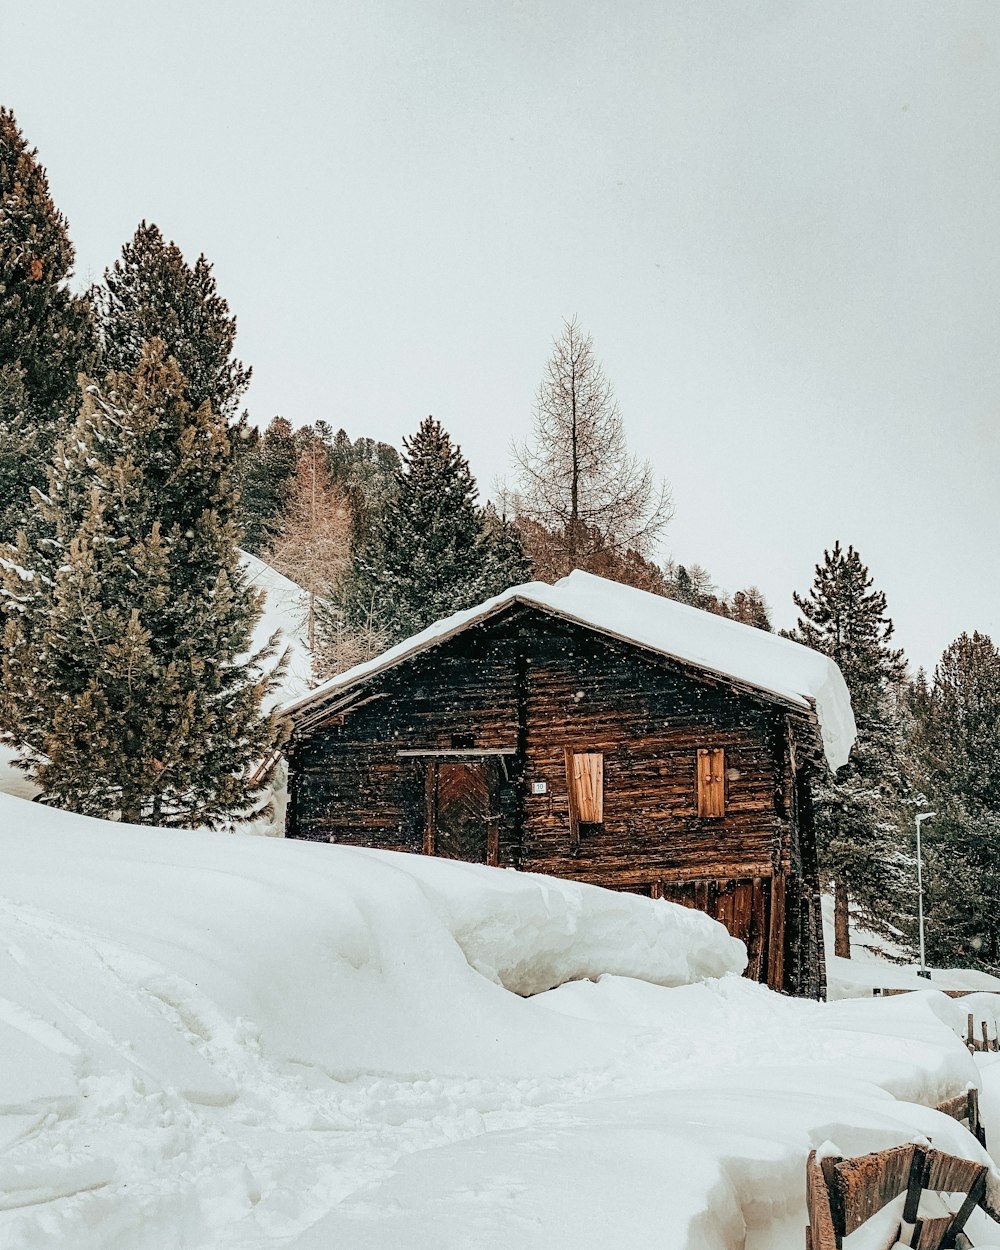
955 741
127 626
151 292
366 471
266 478
692 585
857 813
46 332
434 552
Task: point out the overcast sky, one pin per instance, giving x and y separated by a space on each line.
779 221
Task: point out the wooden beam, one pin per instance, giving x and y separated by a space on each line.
430 806
574 815
476 753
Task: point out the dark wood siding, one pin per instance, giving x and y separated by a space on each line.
531 687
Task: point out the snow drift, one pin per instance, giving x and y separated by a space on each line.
217 1042
328 948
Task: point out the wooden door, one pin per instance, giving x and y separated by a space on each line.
460 816
744 907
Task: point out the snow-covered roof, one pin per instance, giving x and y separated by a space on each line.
786 670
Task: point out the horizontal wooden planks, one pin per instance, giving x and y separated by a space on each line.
553 688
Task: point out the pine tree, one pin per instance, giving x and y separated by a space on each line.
127 626
366 471
581 493
693 585
266 477
151 292
505 562
857 813
46 332
433 552
955 743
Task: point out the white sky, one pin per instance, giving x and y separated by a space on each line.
778 220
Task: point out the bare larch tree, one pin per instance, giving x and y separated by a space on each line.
314 545
582 496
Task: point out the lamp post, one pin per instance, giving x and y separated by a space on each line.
923 970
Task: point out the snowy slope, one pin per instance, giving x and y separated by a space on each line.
216 1042
286 612
794 674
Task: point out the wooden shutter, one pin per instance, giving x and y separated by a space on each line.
711 782
585 783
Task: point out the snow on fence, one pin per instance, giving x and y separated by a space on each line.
980 1043
965 1107
844 1194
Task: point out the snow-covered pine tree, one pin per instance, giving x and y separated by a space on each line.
266 478
858 812
151 292
505 563
46 332
127 627
433 552
955 744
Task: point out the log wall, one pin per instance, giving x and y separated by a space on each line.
533 686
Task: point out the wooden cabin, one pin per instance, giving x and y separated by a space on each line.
593 731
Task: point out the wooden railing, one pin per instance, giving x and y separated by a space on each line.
843 1194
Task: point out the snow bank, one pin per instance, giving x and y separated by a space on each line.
327 948
529 933
701 1143
793 673
877 963
217 1042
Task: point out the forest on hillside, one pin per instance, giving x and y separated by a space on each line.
131 478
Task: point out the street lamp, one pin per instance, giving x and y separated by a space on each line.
923 970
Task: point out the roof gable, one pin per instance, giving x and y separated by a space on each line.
778 667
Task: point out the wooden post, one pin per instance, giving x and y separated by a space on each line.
430 806
521 759
841 920
776 933
970 1035
574 814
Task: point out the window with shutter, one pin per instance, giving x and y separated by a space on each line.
711 782
585 783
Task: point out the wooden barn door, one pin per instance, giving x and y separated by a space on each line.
459 819
744 907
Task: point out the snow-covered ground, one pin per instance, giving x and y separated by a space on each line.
216 1041
285 613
